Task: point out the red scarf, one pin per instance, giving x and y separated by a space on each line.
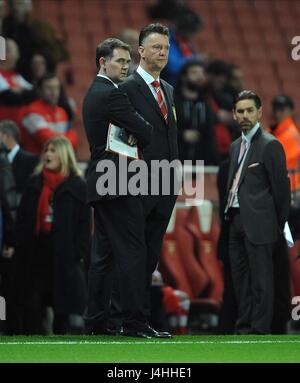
44 212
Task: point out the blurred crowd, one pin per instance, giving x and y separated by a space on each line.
45 246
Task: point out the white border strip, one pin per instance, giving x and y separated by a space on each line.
148 343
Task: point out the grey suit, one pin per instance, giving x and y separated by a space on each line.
264 198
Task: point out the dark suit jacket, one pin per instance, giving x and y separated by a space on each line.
23 165
264 189
163 144
105 104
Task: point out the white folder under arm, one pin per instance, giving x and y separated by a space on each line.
288 235
116 145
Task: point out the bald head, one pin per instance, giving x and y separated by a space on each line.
131 37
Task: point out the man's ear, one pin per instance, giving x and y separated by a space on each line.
141 50
102 62
260 113
233 114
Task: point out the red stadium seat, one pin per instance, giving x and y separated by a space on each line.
171 267
224 18
290 84
205 230
289 72
73 25
255 34
221 6
92 8
170 261
274 37
96 29
71 8
197 276
262 5
184 267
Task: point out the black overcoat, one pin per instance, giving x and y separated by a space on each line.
71 243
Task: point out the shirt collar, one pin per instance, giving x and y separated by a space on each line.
107 78
248 137
147 77
11 155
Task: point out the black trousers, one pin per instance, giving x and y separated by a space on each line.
40 292
118 249
157 212
282 287
228 311
252 274
282 291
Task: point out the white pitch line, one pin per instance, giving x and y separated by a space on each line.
150 343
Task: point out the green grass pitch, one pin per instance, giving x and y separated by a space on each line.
180 349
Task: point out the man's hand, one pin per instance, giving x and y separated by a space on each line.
132 140
17 91
191 136
8 252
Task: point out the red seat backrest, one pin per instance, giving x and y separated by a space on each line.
197 276
206 250
171 267
178 263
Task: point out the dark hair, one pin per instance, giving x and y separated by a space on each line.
165 9
281 102
189 64
218 67
232 67
187 20
46 77
10 128
184 71
248 95
152 28
106 48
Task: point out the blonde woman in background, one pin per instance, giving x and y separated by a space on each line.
53 243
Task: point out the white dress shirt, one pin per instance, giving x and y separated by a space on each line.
12 154
148 78
107 78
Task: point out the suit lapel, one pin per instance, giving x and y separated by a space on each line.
146 92
233 163
249 154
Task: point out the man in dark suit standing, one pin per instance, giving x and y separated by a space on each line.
22 162
152 97
118 243
257 206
